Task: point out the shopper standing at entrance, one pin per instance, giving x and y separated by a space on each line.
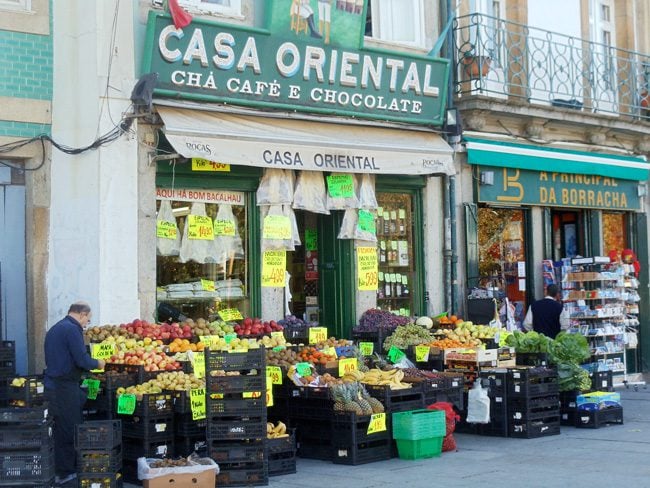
544 316
65 359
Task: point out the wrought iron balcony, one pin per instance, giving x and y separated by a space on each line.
507 60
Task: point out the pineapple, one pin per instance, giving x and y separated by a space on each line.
350 404
339 398
363 403
377 406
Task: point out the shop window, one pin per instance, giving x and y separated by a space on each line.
25 5
179 283
568 238
398 21
217 7
614 231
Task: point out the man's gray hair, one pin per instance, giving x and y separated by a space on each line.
79 307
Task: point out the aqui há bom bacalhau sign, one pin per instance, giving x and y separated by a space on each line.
288 67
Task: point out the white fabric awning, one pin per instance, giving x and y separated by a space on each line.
304 145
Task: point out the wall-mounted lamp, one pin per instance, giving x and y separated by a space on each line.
486 178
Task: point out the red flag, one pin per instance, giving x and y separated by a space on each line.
180 17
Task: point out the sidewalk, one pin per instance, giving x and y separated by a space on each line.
590 458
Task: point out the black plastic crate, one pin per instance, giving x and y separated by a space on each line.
7 351
281 445
105 404
185 426
288 390
376 337
12 415
99 434
236 428
602 381
531 359
538 408
30 394
534 428
312 430
15 437
7 369
243 474
595 419
235 361
99 461
237 451
398 400
349 428
152 405
236 384
239 406
112 379
19 467
497 427
184 446
314 449
312 409
455 396
282 463
132 449
366 452
137 370
100 480
527 382
148 428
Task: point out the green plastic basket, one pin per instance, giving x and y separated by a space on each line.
419 449
414 425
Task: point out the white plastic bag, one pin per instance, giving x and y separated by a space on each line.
167 245
349 224
310 193
276 187
227 247
367 197
369 233
199 250
478 404
295 233
342 203
197 465
273 243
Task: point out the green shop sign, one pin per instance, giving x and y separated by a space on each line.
310 58
522 187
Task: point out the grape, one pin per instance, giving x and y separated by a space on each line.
374 320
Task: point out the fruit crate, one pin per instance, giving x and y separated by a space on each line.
30 394
314 449
530 429
312 430
568 407
281 445
235 361
455 396
350 428
132 449
498 425
602 381
376 337
7 368
20 468
16 437
7 351
528 382
304 392
236 428
105 404
243 474
185 426
100 480
238 406
282 463
419 424
137 370
114 379
12 415
184 446
419 449
534 408
595 419
237 451
363 453
99 461
310 409
398 400
152 405
236 384
148 428
531 359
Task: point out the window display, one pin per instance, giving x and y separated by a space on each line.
614 235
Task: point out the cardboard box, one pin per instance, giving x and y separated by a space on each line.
206 479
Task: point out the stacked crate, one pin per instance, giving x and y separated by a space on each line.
282 454
7 359
99 453
236 416
533 402
104 406
26 447
190 434
353 445
496 382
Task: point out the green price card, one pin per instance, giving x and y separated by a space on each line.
229 337
395 354
367 222
198 364
311 240
279 348
366 348
303 369
126 404
92 386
198 403
166 229
422 354
340 186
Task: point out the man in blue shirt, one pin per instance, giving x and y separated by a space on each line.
547 315
65 359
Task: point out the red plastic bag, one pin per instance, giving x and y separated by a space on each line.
450 415
449 443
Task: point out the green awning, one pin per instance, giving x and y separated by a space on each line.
522 156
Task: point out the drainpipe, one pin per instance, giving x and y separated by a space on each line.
454 246
447 253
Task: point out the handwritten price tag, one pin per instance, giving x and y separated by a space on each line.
210 340
200 164
200 228
207 285
277 335
198 403
347 365
274 264
303 369
224 227
317 334
93 388
366 348
230 314
198 364
367 222
395 354
330 351
276 227
166 229
340 186
274 375
102 351
422 354
377 423
367 268
311 240
126 404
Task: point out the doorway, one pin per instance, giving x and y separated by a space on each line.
568 234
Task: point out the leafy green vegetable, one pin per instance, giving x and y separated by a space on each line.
572 377
569 348
529 342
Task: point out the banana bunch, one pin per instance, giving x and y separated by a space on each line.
393 378
18 382
353 376
276 431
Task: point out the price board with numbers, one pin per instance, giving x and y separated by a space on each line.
230 314
166 229
377 423
367 268
422 353
317 334
274 375
126 404
367 348
200 228
274 265
347 365
198 403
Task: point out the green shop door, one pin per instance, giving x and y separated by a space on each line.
336 277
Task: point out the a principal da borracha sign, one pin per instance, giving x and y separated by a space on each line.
253 67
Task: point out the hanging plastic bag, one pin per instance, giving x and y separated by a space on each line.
276 187
199 247
310 193
478 404
227 242
168 240
367 197
349 224
295 233
277 229
342 191
365 229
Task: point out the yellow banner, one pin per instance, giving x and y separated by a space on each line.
166 229
200 164
276 227
367 268
274 264
198 403
200 227
102 351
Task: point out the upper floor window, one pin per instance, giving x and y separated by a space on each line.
399 21
220 7
21 5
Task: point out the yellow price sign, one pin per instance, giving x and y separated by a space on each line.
198 364
104 350
377 423
200 228
209 341
166 229
207 285
274 265
200 164
347 365
269 394
198 403
422 354
224 227
252 394
230 314
276 227
274 375
366 348
277 335
367 269
317 334
330 351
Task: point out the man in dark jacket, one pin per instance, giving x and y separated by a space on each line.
544 315
65 359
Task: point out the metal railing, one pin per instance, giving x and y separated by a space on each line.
506 60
